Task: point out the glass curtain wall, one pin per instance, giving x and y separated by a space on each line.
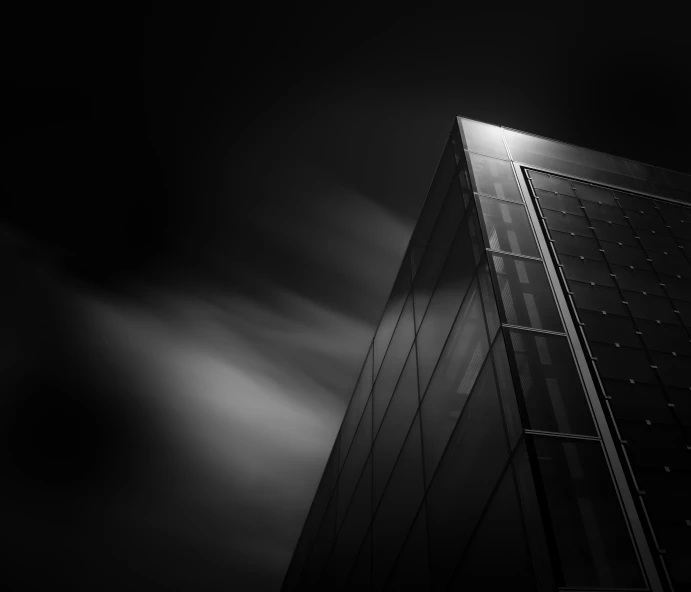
469 454
626 269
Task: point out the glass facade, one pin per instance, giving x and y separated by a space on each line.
522 419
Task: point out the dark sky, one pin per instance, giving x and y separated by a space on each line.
203 213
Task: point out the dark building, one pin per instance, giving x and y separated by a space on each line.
522 420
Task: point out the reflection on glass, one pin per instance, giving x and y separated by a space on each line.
488 300
593 541
391 313
578 162
398 507
412 567
436 195
552 389
552 183
484 138
508 227
559 203
506 390
394 428
526 293
596 194
447 299
499 536
495 178
567 223
454 377
465 478
391 369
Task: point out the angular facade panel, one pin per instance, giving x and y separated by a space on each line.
523 417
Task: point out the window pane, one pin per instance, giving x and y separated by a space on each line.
457 143
586 271
412 567
453 506
535 527
680 228
671 264
448 296
664 337
357 404
507 227
433 263
494 178
436 195
567 223
391 369
558 202
684 309
507 393
615 233
552 183
484 138
445 229
628 256
639 204
395 426
673 370
391 313
360 577
359 451
645 222
671 212
682 408
652 308
454 377
610 329
576 246
655 445
426 280
589 526
597 298
653 241
677 288
398 507
499 537
623 363
637 402
594 194
637 280
488 300
606 213
551 386
526 293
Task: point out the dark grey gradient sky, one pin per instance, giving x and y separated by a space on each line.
203 212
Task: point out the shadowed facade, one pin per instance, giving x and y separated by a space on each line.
522 419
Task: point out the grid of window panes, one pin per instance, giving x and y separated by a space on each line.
469 436
589 541
406 502
625 261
